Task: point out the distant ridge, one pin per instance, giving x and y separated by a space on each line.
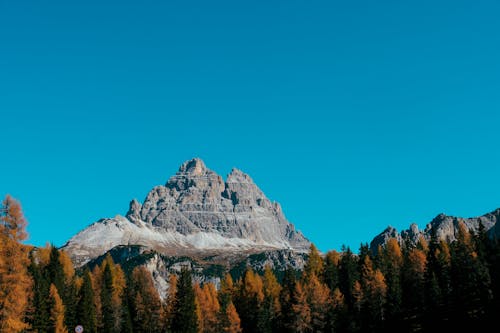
445 227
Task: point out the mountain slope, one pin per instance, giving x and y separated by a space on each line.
195 212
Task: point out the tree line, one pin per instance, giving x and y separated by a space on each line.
424 287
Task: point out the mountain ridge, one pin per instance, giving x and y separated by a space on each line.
445 227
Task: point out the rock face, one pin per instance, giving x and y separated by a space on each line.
445 227
206 269
196 211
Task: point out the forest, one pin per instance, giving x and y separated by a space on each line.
426 287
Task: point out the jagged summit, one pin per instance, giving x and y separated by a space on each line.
196 210
194 166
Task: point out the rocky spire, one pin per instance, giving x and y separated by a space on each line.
134 211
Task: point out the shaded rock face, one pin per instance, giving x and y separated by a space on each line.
207 269
195 210
445 228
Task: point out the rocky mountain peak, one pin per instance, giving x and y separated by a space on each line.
194 176
195 167
196 210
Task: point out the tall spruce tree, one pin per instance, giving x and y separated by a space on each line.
331 271
106 304
184 318
348 275
55 272
287 295
86 306
40 315
126 318
470 280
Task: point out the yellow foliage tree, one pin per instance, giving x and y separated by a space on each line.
393 252
374 289
301 310
146 301
15 282
119 282
357 294
226 290
209 307
233 320
272 289
314 264
170 300
57 311
67 265
97 287
318 297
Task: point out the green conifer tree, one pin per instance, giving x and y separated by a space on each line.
86 306
106 294
184 318
40 316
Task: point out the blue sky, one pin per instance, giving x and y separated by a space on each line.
354 115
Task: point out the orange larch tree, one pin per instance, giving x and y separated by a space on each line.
56 311
15 282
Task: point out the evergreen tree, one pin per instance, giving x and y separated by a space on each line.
331 271
287 296
348 274
125 318
55 272
391 262
106 303
70 303
470 280
437 284
184 318
40 315
86 305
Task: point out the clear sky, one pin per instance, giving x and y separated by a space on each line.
354 115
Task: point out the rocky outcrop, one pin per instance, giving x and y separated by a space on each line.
196 210
443 226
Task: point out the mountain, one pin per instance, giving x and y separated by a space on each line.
445 227
196 214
